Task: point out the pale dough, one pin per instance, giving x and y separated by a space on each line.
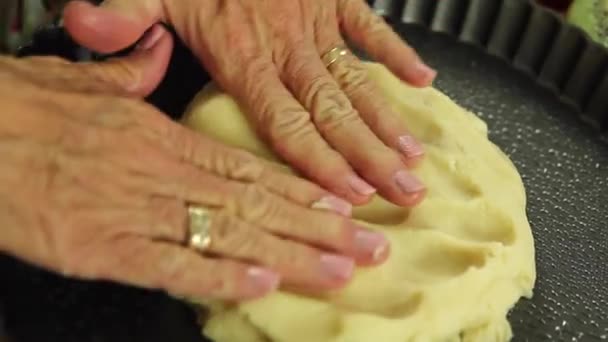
459 262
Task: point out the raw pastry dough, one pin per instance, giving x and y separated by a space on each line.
459 262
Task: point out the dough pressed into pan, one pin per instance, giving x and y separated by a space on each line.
459 260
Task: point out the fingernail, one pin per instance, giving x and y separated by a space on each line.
335 204
336 266
424 71
409 146
262 279
407 182
150 38
371 243
360 186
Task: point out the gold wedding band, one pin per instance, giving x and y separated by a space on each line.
333 55
199 227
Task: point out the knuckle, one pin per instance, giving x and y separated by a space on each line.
255 77
230 235
356 81
224 228
100 77
329 107
294 127
257 204
317 84
319 89
120 75
239 165
287 127
185 146
354 78
296 64
333 116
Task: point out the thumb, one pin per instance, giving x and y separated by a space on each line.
114 25
135 75
139 73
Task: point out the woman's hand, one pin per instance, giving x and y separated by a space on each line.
331 123
97 186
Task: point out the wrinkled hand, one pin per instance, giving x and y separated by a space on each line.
329 123
95 185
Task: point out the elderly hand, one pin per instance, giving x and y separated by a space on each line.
96 185
329 122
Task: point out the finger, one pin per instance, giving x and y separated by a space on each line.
352 77
181 163
137 74
114 25
242 166
318 228
283 122
341 125
296 263
370 32
188 183
157 173
181 271
304 193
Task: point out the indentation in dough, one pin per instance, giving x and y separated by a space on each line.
449 178
475 221
451 260
380 211
399 306
426 130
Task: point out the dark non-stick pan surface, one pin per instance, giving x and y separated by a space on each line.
563 162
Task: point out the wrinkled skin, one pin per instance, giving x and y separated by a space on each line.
94 184
331 124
